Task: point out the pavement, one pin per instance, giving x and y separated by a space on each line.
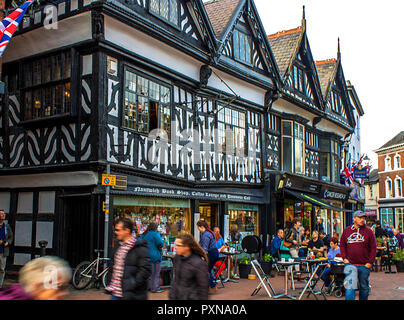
383 287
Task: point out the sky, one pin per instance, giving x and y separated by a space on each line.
372 44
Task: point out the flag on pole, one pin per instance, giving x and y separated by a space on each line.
10 23
347 173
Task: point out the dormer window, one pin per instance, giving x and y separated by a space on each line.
336 104
166 9
299 79
242 46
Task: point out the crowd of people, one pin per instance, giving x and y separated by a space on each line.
356 248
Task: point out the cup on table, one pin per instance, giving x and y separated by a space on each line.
283 260
291 260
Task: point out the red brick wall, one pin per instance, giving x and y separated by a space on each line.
391 174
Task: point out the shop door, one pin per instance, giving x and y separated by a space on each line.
209 213
77 229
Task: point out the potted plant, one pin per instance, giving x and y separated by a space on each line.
266 263
244 267
398 258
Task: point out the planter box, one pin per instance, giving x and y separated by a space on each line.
244 270
400 266
266 266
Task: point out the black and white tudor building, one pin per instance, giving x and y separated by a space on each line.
253 127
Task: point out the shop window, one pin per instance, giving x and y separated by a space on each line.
243 218
242 46
231 126
399 212
166 9
46 86
172 216
386 216
147 105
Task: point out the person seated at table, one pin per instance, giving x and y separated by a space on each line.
284 252
304 240
332 253
317 245
326 239
400 238
276 244
222 246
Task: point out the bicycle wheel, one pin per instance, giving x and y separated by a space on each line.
82 275
106 277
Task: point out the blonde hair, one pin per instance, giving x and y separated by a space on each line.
38 271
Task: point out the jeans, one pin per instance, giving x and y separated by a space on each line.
213 255
115 298
3 261
325 276
356 276
155 277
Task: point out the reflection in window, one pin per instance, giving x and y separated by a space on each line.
51 94
147 104
287 146
166 9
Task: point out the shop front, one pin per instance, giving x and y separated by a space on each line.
177 210
307 200
393 216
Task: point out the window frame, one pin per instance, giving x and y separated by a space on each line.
397 162
250 41
160 82
388 189
51 83
387 164
398 187
168 21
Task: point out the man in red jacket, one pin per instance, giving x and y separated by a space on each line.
358 249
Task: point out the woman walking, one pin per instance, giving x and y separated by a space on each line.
156 244
190 270
208 243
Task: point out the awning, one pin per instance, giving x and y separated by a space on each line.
314 200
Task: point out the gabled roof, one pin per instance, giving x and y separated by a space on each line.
397 140
326 70
284 45
220 13
373 176
355 99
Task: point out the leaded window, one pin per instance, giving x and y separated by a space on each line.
336 104
287 145
147 104
231 130
299 148
242 46
46 86
299 79
166 9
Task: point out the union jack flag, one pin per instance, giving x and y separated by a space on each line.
9 24
347 173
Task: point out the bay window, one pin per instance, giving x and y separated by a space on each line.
293 147
147 104
330 160
231 125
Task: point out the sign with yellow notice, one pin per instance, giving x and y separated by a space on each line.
108 180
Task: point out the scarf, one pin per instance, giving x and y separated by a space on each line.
119 264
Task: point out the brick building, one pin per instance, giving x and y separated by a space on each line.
391 176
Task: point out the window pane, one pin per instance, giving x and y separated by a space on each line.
58 104
287 128
130 81
67 65
287 154
242 46
130 110
28 105
37 103
154 91
47 68
36 71
143 114
236 45
27 69
325 165
57 67
48 102
154 6
299 156
164 11
165 119
174 11
66 98
142 86
165 94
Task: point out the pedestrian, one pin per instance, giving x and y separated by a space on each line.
44 278
6 239
131 264
400 238
358 249
208 243
156 245
294 239
190 270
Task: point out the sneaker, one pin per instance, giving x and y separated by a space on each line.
158 290
235 276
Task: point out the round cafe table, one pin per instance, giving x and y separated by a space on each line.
229 255
286 265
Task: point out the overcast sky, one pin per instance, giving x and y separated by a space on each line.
372 42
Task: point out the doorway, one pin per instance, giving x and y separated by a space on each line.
209 212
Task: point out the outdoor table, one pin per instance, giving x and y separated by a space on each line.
286 265
229 255
314 265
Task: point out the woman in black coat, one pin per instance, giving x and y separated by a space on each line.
190 275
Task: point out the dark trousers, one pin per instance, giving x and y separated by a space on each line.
213 256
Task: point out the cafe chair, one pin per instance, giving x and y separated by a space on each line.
263 278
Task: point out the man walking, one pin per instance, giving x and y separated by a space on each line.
132 266
358 249
6 239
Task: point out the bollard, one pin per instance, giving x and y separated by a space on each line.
42 245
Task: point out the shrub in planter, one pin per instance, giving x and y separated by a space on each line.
244 267
398 258
266 263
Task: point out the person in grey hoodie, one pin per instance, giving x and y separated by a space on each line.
6 239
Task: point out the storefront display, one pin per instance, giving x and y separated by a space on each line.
171 215
243 218
299 210
332 220
386 216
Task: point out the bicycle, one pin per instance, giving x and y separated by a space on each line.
87 272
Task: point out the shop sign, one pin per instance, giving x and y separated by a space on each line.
360 173
191 194
328 194
301 185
